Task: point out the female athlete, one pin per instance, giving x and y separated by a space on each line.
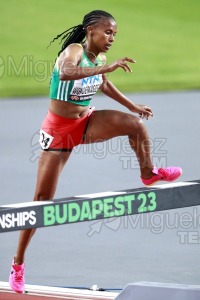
79 71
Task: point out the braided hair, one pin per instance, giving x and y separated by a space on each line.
77 33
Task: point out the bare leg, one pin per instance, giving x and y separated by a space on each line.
49 168
103 125
106 124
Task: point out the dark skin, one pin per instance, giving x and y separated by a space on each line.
103 125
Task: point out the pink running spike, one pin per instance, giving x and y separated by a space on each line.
16 278
169 174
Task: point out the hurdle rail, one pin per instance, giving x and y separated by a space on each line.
133 291
99 206
35 292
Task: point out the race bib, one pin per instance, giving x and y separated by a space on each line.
45 139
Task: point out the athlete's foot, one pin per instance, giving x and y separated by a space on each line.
16 278
159 174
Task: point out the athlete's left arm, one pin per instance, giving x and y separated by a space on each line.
109 89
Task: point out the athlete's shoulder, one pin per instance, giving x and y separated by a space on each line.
73 52
78 48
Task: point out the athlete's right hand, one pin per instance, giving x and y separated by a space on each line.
121 63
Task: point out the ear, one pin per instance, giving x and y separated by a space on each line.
90 30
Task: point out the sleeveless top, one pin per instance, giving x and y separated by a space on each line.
79 91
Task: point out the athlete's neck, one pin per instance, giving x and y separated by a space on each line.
91 53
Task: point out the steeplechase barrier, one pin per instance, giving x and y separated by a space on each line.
35 292
99 206
133 291
94 207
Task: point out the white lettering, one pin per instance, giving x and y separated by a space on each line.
18 219
32 219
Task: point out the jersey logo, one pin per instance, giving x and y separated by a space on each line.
91 80
75 98
45 139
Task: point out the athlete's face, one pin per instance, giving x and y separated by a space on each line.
102 34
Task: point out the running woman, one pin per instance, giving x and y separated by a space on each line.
80 70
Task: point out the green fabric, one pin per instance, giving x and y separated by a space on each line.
79 91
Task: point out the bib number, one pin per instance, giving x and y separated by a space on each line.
45 139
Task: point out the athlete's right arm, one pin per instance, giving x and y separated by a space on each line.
71 57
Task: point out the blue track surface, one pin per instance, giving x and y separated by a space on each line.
162 247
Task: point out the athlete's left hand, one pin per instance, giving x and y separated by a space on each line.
144 111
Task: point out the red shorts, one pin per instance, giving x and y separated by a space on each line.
62 134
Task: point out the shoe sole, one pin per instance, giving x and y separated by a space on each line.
163 180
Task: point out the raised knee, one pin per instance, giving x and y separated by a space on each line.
136 123
139 122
